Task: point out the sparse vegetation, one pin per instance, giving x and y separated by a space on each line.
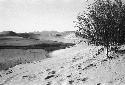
103 23
12 57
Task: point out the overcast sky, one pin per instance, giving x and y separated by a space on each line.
38 15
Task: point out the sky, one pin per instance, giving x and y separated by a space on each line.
39 15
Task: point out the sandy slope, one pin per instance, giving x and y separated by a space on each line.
72 66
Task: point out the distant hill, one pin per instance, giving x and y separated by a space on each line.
45 35
51 34
65 37
8 33
28 35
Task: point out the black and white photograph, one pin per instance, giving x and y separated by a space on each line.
62 42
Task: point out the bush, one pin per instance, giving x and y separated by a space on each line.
103 23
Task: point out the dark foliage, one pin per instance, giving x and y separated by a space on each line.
103 23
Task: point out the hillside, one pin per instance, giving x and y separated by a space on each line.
20 48
22 41
65 37
78 65
8 33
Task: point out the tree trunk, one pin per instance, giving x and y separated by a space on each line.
107 51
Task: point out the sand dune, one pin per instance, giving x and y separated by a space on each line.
72 66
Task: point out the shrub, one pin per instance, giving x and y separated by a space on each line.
103 23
